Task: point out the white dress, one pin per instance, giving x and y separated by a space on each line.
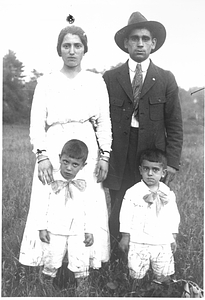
66 106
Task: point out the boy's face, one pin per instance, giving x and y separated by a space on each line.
69 167
151 172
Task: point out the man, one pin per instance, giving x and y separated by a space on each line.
145 111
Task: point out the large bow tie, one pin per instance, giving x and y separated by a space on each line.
58 185
160 198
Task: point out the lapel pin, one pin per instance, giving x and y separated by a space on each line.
153 78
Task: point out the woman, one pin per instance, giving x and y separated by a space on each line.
70 103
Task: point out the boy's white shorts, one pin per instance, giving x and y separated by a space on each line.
140 257
54 252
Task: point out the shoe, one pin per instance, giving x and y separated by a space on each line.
64 277
45 279
82 289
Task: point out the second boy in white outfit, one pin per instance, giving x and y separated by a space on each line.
149 221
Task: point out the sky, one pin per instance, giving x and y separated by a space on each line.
30 29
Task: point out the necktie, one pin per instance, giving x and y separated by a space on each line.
136 87
58 185
160 198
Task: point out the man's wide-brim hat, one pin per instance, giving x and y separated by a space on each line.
137 20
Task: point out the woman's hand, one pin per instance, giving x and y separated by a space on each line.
45 171
101 170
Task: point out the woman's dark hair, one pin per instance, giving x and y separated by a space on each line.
75 30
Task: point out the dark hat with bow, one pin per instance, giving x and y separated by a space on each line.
137 20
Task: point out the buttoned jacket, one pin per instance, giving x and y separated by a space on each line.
160 119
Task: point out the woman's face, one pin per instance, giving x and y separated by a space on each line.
72 50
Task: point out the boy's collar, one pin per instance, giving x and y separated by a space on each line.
162 187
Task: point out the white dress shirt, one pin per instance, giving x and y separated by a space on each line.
140 220
63 216
132 67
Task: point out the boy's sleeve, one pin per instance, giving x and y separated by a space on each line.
126 213
173 213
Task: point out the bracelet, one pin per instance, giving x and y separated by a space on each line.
107 160
41 156
39 151
43 159
103 151
106 151
104 156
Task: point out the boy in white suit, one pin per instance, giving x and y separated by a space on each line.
149 220
63 218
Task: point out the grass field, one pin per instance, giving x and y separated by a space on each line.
20 281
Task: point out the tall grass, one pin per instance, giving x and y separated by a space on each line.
21 281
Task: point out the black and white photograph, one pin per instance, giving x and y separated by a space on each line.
102 148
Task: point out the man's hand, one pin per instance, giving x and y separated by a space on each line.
45 171
169 175
44 236
124 242
88 239
101 170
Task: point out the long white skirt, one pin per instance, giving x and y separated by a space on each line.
57 135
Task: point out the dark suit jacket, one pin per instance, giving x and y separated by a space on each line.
160 120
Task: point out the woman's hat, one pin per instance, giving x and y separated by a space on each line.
137 20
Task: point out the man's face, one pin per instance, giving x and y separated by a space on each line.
151 172
72 50
70 166
140 44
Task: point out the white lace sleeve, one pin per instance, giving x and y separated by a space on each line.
104 133
38 117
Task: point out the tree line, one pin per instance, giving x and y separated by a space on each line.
18 94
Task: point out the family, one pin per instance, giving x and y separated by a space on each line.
122 132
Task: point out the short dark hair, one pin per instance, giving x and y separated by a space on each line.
75 30
75 149
154 155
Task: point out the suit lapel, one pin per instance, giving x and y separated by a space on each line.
150 79
123 77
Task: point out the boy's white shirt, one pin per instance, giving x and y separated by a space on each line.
140 220
31 250
61 216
